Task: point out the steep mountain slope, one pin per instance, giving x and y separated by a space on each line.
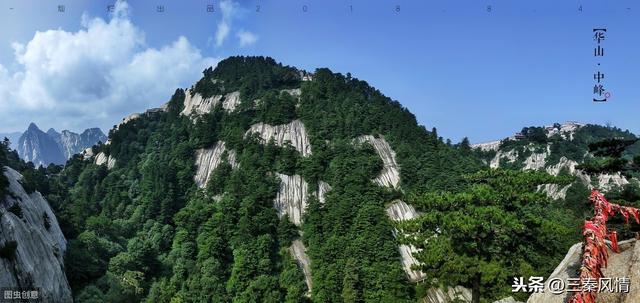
39 147
32 245
52 147
72 143
252 186
558 149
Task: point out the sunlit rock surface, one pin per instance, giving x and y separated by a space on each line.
299 252
198 105
293 132
450 295
38 260
401 211
390 174
509 156
537 161
623 264
323 189
103 159
208 159
292 198
487 146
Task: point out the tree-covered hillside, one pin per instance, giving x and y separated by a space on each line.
143 230
259 185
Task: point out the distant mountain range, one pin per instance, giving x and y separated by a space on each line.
52 147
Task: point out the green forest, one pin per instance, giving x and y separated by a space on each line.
144 232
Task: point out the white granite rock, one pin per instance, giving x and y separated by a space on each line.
487 146
38 260
390 174
292 198
103 159
299 252
323 189
623 264
207 160
293 133
198 105
450 295
401 211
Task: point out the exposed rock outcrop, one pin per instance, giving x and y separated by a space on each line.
295 92
390 174
37 261
293 132
292 198
207 160
401 211
509 156
487 146
537 161
323 189
299 252
198 105
87 153
450 295
623 264
458 294
39 147
71 143
128 118
231 101
52 147
103 159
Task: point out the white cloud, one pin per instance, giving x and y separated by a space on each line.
222 33
246 38
229 11
93 77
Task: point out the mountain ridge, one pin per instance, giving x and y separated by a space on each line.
42 148
260 183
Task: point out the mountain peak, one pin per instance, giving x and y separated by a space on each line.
93 130
32 127
52 132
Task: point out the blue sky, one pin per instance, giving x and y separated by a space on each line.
456 66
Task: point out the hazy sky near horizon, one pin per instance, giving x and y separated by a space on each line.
460 66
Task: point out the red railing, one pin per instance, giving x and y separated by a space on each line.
594 249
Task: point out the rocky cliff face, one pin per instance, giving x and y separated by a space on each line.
71 143
207 160
299 252
293 133
390 174
401 211
52 147
198 105
102 159
37 261
452 294
623 264
38 147
292 198
539 156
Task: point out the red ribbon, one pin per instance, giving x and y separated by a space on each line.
594 250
